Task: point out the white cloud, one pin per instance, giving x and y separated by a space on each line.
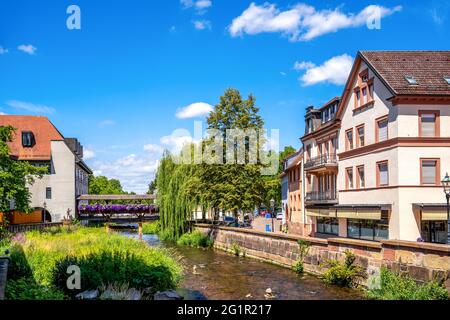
303 65
201 6
202 24
302 22
88 154
177 140
155 148
27 48
31 107
194 110
3 50
283 73
334 70
133 171
107 123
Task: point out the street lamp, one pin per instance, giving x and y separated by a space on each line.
446 185
272 208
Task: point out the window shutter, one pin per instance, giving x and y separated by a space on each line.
429 172
428 125
383 130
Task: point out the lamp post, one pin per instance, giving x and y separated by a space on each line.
446 185
272 208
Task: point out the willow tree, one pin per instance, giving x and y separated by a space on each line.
175 201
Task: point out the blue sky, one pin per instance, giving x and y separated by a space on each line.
118 83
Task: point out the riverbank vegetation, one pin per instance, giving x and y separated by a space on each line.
343 273
151 228
304 247
195 239
401 287
40 260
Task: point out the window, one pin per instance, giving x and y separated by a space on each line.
411 80
434 231
383 174
372 230
382 129
361 180
349 139
349 176
328 225
48 193
360 136
28 139
429 123
429 172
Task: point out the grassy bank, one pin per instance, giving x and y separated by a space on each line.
151 228
40 262
195 239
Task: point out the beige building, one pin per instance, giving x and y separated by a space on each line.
393 149
39 142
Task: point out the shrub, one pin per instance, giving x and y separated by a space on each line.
27 289
402 287
345 274
304 247
236 248
103 258
195 239
151 228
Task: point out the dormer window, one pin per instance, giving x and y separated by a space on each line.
364 90
28 140
411 80
447 79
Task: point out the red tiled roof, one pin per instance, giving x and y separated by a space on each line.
427 67
44 132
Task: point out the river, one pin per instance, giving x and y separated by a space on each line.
215 275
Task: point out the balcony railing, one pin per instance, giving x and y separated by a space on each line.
323 160
327 196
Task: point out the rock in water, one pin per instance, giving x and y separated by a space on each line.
167 295
88 295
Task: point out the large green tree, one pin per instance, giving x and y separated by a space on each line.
15 176
103 185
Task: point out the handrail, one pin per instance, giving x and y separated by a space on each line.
321 160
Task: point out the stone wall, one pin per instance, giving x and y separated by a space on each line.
423 261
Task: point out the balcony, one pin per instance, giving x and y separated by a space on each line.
321 163
318 197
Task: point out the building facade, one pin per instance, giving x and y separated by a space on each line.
39 142
393 148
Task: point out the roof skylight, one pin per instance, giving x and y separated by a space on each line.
411 80
447 79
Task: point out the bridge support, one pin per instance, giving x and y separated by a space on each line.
140 230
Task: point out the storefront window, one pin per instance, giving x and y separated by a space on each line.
434 231
328 225
372 230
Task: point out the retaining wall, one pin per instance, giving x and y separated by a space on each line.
422 261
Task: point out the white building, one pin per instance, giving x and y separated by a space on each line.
39 142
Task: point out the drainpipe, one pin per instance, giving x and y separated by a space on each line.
4 262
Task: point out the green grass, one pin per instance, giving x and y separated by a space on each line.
151 228
195 239
43 258
402 287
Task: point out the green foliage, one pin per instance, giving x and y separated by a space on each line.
15 176
27 289
304 247
103 259
345 274
402 287
103 185
236 249
151 228
195 239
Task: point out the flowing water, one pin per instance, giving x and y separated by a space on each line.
215 275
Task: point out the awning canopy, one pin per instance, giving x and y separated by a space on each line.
325 213
363 214
432 211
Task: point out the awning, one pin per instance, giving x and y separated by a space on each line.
363 214
325 213
434 215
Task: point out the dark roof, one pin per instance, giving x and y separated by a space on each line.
428 67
